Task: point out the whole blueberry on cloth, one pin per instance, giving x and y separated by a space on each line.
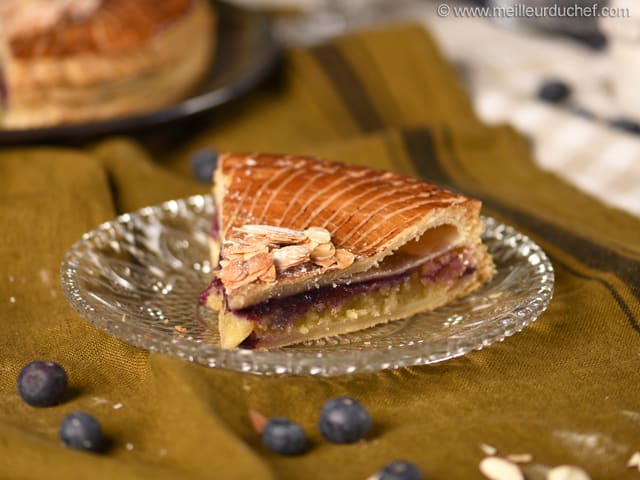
344 420
80 430
203 164
284 436
400 470
42 383
553 91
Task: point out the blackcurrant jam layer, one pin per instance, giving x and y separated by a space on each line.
214 230
4 92
281 312
214 287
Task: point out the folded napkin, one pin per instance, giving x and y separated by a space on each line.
565 389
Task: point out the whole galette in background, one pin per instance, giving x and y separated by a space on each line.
67 61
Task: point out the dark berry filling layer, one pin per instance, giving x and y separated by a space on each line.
214 230
448 267
4 91
283 311
214 286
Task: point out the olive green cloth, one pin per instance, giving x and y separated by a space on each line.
566 389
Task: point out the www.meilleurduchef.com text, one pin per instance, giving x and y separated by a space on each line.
521 10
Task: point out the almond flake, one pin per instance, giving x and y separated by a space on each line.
496 468
291 256
180 329
259 264
318 234
345 258
269 275
634 461
258 421
275 234
309 245
235 271
324 251
243 248
488 449
519 457
329 262
249 255
567 472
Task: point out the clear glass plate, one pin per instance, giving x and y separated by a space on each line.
139 277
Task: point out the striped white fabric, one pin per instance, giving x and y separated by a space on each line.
505 67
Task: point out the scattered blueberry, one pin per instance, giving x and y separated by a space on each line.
203 164
553 91
42 384
80 430
400 470
284 436
344 420
625 124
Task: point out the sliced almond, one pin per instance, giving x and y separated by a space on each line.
258 421
269 275
329 262
291 256
259 264
244 248
235 271
634 461
567 472
318 234
344 257
324 251
488 449
249 255
276 234
309 244
496 468
519 457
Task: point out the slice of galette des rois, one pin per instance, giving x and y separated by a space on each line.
304 248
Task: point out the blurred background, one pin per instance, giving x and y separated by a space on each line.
564 72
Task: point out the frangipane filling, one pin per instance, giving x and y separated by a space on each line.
328 307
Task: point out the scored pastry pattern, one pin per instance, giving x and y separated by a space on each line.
317 193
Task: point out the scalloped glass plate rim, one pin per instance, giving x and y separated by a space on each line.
284 361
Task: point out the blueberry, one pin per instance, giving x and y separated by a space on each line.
625 124
400 470
553 91
203 164
284 436
344 420
42 384
80 430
